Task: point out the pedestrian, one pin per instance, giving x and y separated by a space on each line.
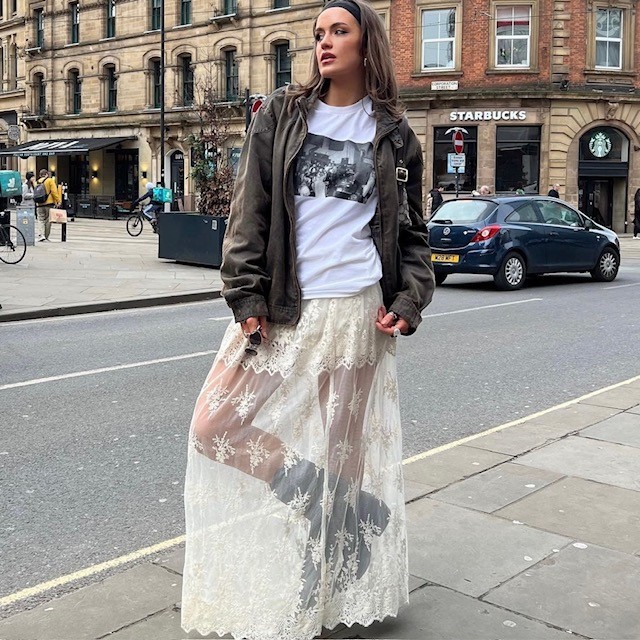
51 198
484 190
293 495
434 200
553 192
28 186
636 214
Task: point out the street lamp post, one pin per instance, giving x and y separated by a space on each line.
162 93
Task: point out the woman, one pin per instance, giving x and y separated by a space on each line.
636 214
294 490
28 186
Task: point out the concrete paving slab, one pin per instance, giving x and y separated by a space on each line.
576 416
591 591
497 487
522 438
106 606
435 613
174 561
161 626
597 460
416 583
449 466
413 490
469 551
584 510
623 398
623 428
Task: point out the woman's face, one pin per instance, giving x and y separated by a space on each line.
338 38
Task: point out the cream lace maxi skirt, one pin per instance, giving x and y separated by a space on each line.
294 492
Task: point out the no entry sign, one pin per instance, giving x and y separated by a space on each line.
458 142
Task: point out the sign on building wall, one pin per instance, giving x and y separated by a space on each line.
475 116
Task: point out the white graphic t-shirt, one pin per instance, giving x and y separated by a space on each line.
335 198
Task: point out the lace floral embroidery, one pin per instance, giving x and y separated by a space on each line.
222 448
243 403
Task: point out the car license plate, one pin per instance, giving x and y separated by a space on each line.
445 257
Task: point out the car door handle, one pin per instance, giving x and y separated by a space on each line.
554 233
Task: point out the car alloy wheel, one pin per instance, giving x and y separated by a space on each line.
606 268
512 272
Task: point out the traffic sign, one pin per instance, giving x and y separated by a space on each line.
456 162
458 142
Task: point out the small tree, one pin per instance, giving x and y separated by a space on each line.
211 172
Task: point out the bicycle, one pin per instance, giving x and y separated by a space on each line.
135 223
13 246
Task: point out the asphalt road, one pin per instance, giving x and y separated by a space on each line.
91 465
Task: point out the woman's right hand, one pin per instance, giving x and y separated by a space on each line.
251 324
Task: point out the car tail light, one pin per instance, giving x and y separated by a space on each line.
486 233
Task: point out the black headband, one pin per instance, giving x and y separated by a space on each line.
351 7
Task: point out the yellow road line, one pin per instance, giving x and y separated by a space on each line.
168 544
90 571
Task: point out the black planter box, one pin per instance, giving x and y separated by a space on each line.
191 238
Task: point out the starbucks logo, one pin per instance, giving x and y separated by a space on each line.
599 145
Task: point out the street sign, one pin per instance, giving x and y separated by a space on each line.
458 142
13 132
456 161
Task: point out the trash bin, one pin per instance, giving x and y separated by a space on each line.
26 222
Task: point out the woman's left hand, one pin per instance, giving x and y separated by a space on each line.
390 323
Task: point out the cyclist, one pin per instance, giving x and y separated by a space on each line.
151 210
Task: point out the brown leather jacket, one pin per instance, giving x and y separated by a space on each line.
259 252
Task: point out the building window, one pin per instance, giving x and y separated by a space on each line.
231 75
609 39
444 174
185 11
75 89
513 36
110 31
40 94
75 22
280 4
2 9
186 80
14 7
438 39
518 159
283 65
38 16
156 79
156 15
229 7
112 88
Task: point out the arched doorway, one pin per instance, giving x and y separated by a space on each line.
177 178
602 176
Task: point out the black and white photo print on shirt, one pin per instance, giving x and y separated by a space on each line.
328 168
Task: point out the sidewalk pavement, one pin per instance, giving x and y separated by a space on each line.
529 532
100 267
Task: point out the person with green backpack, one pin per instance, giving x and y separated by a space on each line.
45 195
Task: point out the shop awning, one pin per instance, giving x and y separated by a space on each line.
64 147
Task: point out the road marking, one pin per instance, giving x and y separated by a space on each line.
620 286
92 372
488 306
89 571
221 318
168 544
513 423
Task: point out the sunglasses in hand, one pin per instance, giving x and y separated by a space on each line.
255 340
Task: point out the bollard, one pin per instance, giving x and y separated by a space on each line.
64 232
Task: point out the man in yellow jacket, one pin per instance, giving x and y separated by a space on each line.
53 199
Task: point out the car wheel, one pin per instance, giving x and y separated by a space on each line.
512 272
606 268
440 278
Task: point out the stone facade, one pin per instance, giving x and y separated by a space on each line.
562 89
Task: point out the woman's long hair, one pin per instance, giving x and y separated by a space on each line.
379 75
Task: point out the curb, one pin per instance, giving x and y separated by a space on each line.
112 305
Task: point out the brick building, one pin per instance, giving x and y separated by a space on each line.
548 92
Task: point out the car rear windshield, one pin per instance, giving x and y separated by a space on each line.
461 211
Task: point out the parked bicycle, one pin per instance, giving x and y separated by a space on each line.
135 222
12 244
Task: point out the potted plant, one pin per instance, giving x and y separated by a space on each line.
196 238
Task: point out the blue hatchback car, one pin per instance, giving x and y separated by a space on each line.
511 238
